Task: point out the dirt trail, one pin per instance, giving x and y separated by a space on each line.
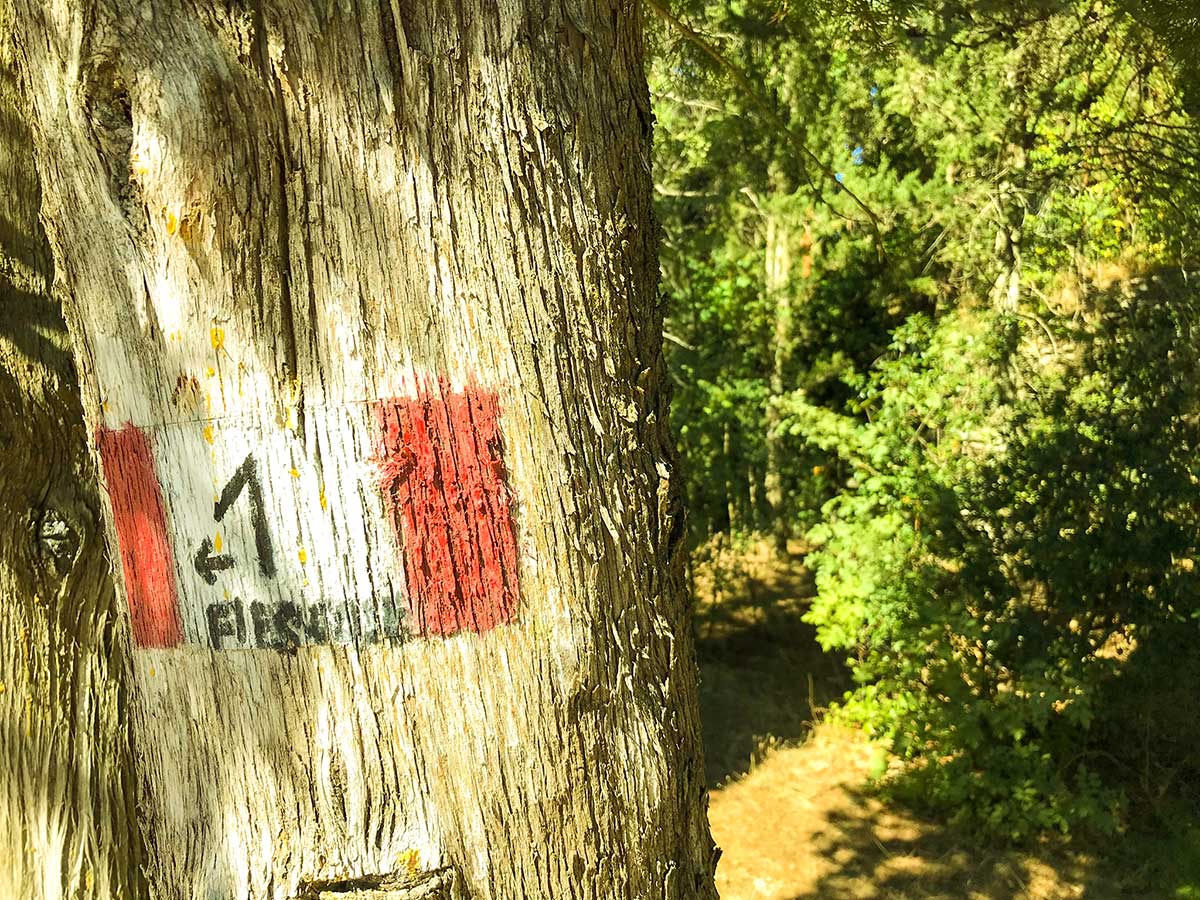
793 811
801 826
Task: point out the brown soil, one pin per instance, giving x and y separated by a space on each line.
803 826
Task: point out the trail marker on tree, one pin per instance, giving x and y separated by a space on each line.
443 542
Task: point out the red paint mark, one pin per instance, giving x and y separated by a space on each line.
443 481
141 524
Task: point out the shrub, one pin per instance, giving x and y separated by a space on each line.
1012 568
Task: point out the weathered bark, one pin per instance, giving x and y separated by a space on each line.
66 791
363 301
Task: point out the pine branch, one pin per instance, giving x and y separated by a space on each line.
742 81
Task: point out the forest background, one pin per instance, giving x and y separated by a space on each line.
930 278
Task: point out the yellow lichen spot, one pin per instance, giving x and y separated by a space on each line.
172 223
286 408
324 500
2 687
217 543
104 406
211 371
208 433
152 671
302 555
294 472
409 861
217 336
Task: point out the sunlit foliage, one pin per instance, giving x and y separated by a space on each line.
975 380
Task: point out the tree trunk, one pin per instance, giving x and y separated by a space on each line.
777 284
66 792
1012 188
363 300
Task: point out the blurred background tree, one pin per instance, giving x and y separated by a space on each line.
928 273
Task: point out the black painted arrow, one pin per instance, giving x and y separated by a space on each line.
208 565
246 478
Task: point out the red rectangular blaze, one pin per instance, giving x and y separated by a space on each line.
141 525
444 486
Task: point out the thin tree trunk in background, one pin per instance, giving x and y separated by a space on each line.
777 277
364 301
66 787
1006 290
1012 189
731 490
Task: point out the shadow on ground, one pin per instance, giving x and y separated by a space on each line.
879 853
763 678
